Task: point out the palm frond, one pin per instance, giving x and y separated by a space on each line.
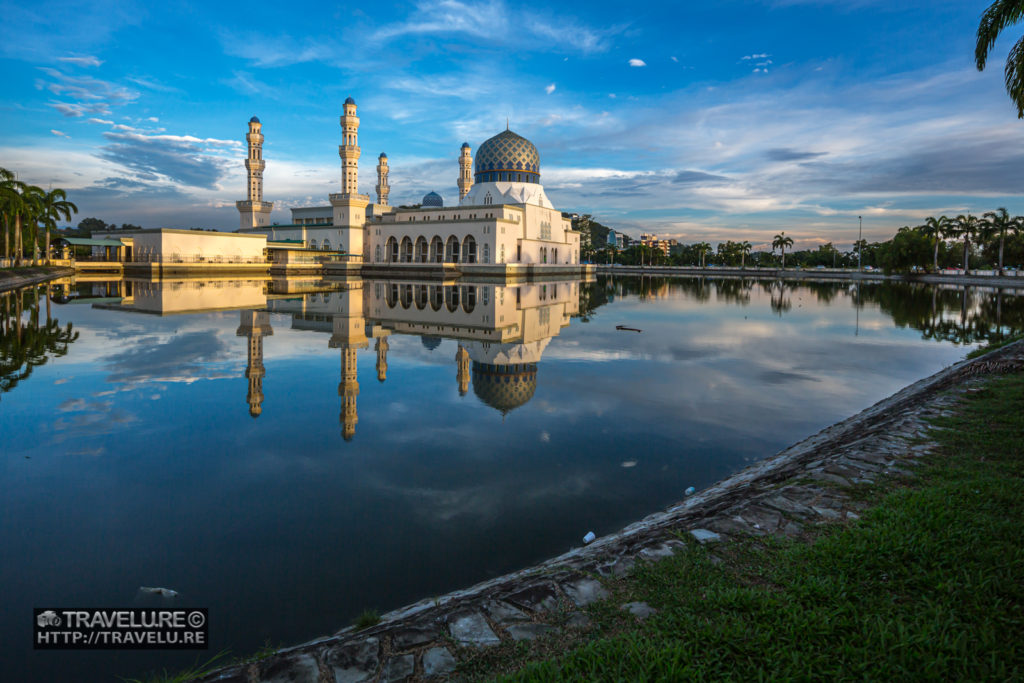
998 16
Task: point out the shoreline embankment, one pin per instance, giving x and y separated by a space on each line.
14 278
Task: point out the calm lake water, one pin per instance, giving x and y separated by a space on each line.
290 453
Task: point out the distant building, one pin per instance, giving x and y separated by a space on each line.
617 239
664 246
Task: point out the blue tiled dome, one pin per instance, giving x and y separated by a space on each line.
254 119
383 156
465 145
349 100
507 157
432 199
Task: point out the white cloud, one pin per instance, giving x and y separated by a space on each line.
88 60
494 21
763 55
59 134
637 62
550 89
101 121
674 59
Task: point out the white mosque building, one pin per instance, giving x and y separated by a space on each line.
503 216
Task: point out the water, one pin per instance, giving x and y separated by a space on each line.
490 429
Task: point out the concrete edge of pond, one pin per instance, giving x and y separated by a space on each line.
783 495
32 275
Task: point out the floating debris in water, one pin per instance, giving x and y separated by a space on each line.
589 538
629 463
689 491
165 592
627 329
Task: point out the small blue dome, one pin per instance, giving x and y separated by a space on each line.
383 156
465 145
254 119
432 199
349 100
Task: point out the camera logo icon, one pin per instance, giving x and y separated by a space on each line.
48 618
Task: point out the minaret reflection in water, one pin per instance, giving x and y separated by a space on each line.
255 325
501 331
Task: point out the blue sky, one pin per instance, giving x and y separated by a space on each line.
697 120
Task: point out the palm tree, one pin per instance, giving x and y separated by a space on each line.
999 15
33 197
54 206
781 242
703 248
11 204
997 222
745 248
938 229
966 226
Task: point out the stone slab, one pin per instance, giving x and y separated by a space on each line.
438 661
398 668
295 668
705 535
640 610
473 629
354 661
528 631
585 591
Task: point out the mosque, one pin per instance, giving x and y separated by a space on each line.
503 216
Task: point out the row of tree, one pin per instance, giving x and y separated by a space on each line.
27 212
995 238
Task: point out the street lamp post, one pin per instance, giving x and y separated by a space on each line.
860 240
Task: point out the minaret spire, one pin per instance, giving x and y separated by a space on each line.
465 181
349 205
254 212
383 189
349 149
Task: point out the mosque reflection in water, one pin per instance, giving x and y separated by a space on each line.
501 330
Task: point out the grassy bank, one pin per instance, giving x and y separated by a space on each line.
929 584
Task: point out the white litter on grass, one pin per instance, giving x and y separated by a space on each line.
589 538
629 463
690 491
165 592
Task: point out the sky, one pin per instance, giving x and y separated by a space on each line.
693 120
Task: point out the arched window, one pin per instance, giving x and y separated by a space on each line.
312 244
327 245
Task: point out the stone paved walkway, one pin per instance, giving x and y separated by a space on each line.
786 495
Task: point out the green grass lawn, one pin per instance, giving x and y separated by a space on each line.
928 585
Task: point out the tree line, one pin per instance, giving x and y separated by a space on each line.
28 212
991 240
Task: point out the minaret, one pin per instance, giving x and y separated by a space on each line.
255 325
383 189
254 212
382 347
350 336
349 150
465 171
349 205
462 374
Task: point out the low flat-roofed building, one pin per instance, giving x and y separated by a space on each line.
169 245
